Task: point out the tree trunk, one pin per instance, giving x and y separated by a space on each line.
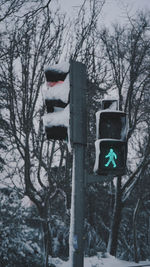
115 225
136 259
47 249
149 234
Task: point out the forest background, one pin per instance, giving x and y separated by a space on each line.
36 174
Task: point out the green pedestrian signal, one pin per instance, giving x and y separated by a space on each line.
111 156
111 143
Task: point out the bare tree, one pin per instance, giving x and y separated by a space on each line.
29 49
32 43
12 8
121 63
127 52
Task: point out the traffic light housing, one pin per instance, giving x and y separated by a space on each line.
111 145
110 157
111 124
56 124
111 104
56 97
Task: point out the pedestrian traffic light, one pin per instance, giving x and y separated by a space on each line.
56 96
111 145
110 157
111 124
111 104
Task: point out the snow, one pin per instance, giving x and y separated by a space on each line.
98 261
59 91
97 152
60 117
113 106
61 67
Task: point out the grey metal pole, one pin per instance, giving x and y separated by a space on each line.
78 140
77 208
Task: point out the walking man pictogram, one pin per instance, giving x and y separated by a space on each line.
112 156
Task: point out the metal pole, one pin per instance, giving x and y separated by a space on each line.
77 208
78 140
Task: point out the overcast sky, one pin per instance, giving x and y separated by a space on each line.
114 10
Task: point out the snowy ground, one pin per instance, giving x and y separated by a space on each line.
97 261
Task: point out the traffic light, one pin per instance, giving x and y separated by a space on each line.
110 157
56 96
111 124
112 104
111 145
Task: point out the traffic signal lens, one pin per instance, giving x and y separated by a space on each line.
110 157
53 75
112 125
111 144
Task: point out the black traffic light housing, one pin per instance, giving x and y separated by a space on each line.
111 104
111 124
57 103
56 133
55 75
110 157
111 144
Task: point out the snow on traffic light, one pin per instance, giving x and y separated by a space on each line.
56 96
111 145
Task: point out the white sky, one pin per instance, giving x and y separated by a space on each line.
114 10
